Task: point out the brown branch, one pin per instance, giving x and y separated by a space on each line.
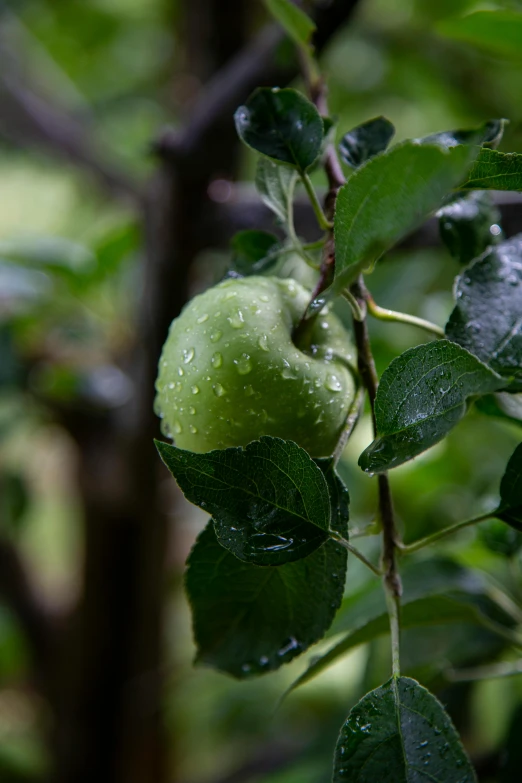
254 66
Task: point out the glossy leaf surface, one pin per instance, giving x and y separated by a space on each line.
249 620
387 198
421 397
275 184
281 124
487 135
400 733
269 501
469 224
365 141
487 319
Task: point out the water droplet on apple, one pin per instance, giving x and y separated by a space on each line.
188 355
216 336
243 364
171 385
194 389
217 360
181 371
218 390
249 390
192 410
263 342
202 318
333 383
178 429
264 298
236 320
193 429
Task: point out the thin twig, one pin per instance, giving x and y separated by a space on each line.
356 552
427 540
383 314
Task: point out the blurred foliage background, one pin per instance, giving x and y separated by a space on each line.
73 243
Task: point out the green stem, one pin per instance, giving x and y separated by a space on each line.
351 420
357 311
323 221
393 605
315 245
354 551
383 314
422 542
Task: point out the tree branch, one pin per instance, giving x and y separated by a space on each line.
254 66
28 119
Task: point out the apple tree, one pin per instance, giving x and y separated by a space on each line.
261 386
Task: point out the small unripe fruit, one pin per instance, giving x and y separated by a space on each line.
230 373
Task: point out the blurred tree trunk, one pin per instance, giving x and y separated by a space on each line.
109 702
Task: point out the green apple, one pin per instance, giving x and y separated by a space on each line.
230 373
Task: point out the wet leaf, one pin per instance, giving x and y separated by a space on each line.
365 141
387 198
249 620
487 319
281 124
269 501
400 732
487 135
468 225
421 397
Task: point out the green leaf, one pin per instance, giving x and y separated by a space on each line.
298 25
269 501
254 251
421 397
435 591
487 135
365 141
281 124
468 225
502 405
494 170
487 319
400 732
499 32
387 198
276 185
250 620
510 508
